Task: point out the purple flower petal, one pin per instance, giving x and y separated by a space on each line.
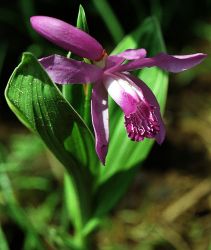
164 61
113 61
149 96
178 63
63 70
132 54
121 92
67 36
99 108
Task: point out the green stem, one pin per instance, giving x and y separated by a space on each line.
78 206
66 88
81 241
87 105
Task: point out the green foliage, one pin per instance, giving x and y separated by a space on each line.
81 20
90 190
14 166
124 155
42 108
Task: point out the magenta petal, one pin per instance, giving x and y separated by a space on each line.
177 63
121 92
67 36
164 61
63 70
132 54
113 61
99 108
150 97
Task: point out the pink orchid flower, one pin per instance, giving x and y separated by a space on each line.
110 75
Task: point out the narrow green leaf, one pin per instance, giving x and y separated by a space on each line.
81 20
87 106
91 225
72 200
87 88
110 19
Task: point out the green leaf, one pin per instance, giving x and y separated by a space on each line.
81 20
38 103
125 155
86 88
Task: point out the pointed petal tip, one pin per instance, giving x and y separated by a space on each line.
178 63
201 56
99 112
102 152
160 137
198 57
171 63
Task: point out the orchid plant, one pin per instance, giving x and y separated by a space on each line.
109 74
34 94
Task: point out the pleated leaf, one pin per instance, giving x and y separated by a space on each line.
38 103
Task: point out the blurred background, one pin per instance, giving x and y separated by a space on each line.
169 203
